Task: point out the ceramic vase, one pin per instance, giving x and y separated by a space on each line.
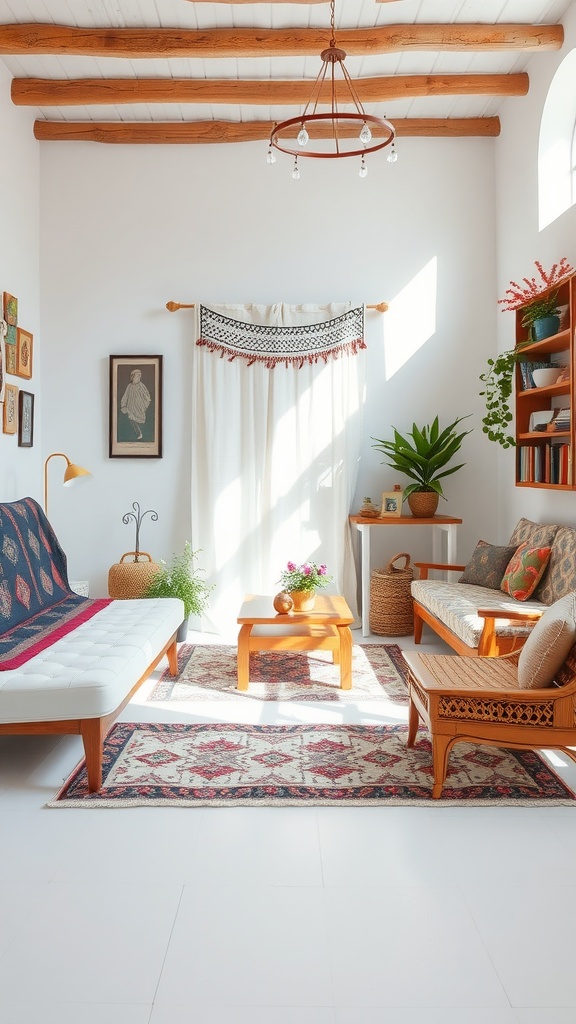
545 327
303 600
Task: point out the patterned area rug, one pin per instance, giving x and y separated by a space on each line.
208 672
232 765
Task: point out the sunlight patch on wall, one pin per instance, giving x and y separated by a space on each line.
411 318
556 175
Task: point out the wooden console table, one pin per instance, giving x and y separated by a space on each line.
439 524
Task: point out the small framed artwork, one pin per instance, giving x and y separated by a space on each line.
10 418
391 503
10 309
10 353
24 342
25 419
135 407
3 369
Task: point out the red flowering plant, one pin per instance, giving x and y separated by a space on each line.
308 576
517 296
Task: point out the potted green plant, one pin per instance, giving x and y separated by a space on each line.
181 578
541 317
423 456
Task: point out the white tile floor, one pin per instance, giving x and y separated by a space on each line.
402 915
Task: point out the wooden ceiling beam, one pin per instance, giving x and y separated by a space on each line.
202 132
136 43
40 92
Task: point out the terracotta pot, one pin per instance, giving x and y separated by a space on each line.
303 600
423 504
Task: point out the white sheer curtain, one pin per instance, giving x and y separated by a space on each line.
274 465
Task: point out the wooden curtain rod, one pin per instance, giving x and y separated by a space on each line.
174 306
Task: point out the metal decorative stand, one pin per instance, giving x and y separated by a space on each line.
138 516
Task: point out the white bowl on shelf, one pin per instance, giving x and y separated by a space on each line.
545 376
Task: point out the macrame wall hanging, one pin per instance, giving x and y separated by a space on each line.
262 340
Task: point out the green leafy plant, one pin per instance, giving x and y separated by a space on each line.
180 578
498 389
425 457
545 306
308 576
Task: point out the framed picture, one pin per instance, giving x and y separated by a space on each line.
10 418
10 355
25 419
3 368
135 407
24 342
10 309
391 503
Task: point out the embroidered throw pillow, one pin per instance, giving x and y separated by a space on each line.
543 656
487 565
524 571
534 534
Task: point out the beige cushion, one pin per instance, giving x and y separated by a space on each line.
536 535
548 645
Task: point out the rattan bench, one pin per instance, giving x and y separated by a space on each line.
478 700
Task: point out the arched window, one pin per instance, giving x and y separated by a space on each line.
557 145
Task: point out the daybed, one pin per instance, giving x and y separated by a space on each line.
67 664
481 620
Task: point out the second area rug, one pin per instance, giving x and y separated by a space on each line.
230 765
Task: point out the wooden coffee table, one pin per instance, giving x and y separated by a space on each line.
326 628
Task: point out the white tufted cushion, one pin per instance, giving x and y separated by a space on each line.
89 672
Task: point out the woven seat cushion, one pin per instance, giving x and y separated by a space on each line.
456 604
548 645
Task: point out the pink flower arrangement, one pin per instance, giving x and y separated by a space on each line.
517 296
307 576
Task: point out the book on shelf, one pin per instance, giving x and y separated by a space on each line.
548 463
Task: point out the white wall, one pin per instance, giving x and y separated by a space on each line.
20 472
519 244
124 229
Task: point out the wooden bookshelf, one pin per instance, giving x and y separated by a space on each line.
545 458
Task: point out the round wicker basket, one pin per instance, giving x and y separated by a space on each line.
391 612
130 579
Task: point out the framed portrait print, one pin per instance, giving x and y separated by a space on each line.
24 342
25 419
10 417
391 503
135 407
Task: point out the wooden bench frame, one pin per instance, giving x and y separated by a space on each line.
490 645
460 700
92 730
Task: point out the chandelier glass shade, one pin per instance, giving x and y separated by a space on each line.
332 133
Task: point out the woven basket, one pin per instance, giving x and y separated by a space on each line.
130 579
391 612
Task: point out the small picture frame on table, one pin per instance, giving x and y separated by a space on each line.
25 419
24 343
10 415
391 504
135 412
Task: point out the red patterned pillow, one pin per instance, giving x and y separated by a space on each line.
524 571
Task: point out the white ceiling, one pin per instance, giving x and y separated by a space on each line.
349 14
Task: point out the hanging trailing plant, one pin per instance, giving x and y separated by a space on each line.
497 392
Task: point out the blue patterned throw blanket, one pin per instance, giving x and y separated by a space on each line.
37 606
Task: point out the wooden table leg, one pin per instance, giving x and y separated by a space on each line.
345 657
243 657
